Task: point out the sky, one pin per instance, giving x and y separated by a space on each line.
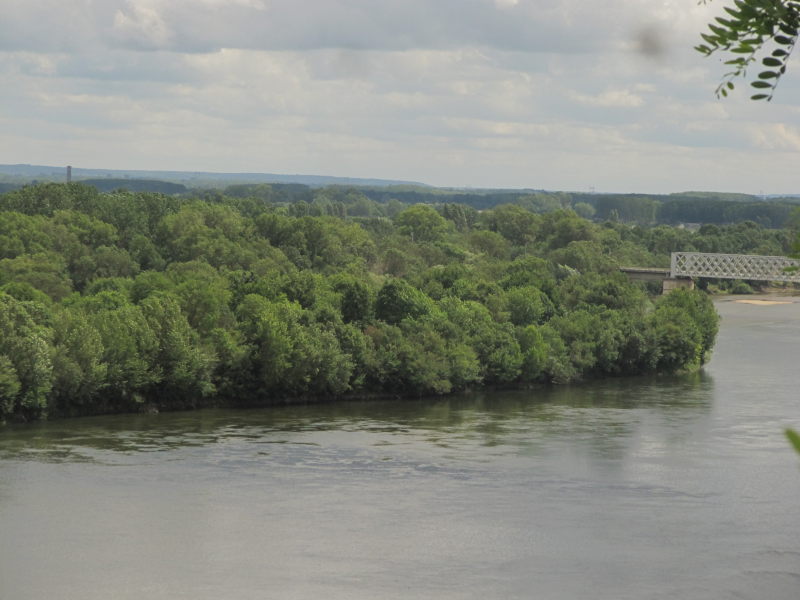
576 95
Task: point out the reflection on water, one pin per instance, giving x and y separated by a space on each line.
597 415
646 488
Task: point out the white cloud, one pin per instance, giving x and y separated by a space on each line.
140 23
623 98
775 136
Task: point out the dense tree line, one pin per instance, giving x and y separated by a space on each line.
111 184
125 301
644 209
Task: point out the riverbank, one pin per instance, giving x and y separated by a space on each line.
768 298
616 487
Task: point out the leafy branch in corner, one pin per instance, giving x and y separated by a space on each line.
753 29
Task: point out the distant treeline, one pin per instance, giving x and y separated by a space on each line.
111 184
645 209
684 208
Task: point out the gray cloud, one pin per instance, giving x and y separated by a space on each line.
209 25
540 93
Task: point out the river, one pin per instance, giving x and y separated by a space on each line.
645 488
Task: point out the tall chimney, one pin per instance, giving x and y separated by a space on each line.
69 174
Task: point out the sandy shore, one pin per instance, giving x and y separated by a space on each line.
764 302
769 299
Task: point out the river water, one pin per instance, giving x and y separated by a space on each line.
654 488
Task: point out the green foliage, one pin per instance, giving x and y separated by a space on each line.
26 369
794 438
10 386
698 307
79 371
130 351
534 351
132 301
422 223
584 210
356 298
747 32
528 305
530 271
517 225
564 227
684 326
678 339
398 300
46 272
288 356
184 364
613 291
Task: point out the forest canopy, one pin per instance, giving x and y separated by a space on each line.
128 301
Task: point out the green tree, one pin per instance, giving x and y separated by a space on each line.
678 339
26 369
584 210
9 387
398 300
79 372
534 353
698 307
514 223
356 298
422 223
184 363
130 350
528 305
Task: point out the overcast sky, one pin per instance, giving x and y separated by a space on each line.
554 94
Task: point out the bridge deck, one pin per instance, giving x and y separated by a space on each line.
646 270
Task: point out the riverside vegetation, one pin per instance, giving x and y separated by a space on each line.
128 301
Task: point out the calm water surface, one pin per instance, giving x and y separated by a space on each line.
679 487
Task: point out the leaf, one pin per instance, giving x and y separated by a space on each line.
783 40
759 96
771 62
760 84
794 438
722 33
767 75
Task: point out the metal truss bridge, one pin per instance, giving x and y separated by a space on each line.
734 266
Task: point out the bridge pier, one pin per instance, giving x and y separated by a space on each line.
668 283
674 283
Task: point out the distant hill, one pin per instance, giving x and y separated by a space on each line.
189 178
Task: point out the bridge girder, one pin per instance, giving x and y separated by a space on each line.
735 266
